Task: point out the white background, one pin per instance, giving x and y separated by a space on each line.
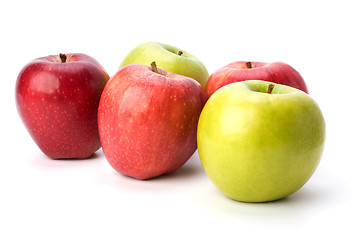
86 199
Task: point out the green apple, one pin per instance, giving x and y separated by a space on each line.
260 141
169 58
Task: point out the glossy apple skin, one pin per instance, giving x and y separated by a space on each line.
148 121
167 58
58 102
276 72
258 147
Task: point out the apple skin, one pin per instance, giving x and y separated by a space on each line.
167 58
148 121
276 72
58 102
258 147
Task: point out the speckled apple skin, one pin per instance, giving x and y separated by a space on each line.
58 104
148 121
276 72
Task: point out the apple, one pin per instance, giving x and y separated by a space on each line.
260 141
148 120
57 98
169 58
276 72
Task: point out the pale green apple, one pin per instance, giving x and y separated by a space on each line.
169 58
257 146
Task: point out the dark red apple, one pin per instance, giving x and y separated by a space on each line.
276 72
148 120
57 99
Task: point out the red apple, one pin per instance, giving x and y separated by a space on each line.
57 99
148 120
276 72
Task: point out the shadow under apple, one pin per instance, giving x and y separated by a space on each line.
316 197
182 178
41 160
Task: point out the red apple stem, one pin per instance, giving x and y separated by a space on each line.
180 53
248 65
153 66
271 87
62 57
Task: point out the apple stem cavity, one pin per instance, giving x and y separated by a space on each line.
248 65
271 87
180 53
62 57
154 68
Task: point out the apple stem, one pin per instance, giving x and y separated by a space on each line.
180 53
248 65
153 66
62 57
271 87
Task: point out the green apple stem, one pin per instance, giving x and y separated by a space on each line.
153 66
271 87
62 57
248 65
180 53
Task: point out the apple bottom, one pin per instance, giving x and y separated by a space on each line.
151 163
263 188
148 150
62 145
257 178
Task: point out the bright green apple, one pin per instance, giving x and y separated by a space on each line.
169 58
258 143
